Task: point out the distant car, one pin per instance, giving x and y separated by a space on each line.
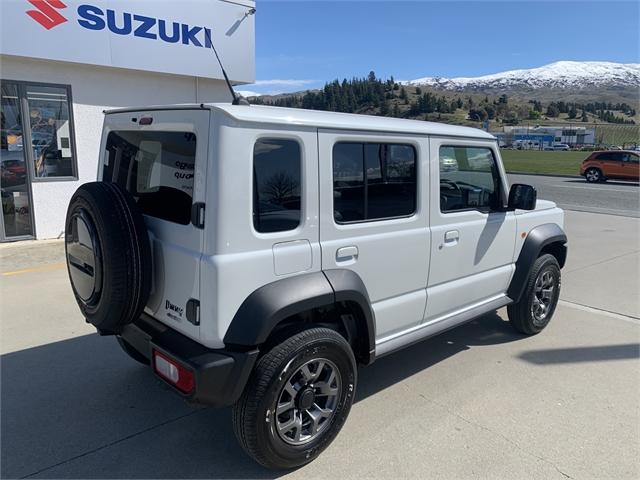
604 165
561 146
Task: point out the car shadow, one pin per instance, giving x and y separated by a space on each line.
80 408
599 353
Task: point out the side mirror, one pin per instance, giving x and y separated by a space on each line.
522 196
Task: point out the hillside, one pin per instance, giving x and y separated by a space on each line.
608 98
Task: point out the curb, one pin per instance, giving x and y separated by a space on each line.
544 174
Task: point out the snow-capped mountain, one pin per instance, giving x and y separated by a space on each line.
564 74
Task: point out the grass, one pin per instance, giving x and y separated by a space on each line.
552 163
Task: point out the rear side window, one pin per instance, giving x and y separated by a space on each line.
373 181
277 175
156 168
609 156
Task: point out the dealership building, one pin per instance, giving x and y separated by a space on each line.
63 62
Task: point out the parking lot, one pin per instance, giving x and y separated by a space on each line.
480 401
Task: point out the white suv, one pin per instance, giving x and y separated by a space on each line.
255 256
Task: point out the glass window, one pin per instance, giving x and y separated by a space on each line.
157 168
50 122
16 204
469 179
611 156
276 185
373 181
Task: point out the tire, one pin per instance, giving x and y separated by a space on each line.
108 255
531 315
132 352
593 175
263 432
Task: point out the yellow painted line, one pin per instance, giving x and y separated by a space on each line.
44 268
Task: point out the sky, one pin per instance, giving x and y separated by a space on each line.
303 44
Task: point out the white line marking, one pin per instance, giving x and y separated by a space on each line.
598 311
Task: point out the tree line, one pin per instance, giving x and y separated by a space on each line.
389 98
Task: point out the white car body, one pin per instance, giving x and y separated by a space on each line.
424 273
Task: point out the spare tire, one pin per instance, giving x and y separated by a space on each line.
108 255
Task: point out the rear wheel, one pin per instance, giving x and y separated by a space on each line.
593 175
297 399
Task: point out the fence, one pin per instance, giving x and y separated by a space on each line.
575 134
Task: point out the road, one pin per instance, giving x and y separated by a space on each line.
479 401
614 198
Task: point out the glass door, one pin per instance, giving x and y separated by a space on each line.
17 218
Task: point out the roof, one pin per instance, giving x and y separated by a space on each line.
322 119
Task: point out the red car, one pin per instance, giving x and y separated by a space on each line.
611 164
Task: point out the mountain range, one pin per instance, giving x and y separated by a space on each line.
559 80
563 80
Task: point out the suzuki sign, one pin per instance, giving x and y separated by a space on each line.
158 36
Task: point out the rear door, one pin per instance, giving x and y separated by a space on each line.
373 220
163 165
611 164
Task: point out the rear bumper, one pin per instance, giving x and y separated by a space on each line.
220 375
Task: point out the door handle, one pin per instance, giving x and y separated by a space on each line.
452 236
347 253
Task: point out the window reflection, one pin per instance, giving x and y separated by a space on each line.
16 206
50 131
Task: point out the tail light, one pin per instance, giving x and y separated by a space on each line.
173 372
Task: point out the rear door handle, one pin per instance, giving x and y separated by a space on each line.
451 236
347 253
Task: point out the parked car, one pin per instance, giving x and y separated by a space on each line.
617 164
294 246
561 147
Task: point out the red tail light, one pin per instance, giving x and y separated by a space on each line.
173 372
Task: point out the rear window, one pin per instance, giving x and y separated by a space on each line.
156 168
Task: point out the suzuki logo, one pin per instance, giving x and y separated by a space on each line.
46 13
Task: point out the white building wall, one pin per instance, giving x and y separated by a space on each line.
94 89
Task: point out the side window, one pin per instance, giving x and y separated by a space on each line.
469 179
373 181
633 158
276 185
610 156
157 168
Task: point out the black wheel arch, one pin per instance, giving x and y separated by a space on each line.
545 238
341 291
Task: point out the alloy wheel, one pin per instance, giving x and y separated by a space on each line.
542 297
308 401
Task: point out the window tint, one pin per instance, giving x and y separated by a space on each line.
610 156
469 179
373 181
630 157
157 168
276 185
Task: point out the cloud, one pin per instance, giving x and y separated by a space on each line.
248 93
284 83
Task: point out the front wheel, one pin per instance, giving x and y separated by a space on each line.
297 399
538 303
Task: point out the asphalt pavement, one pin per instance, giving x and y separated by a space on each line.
574 193
479 401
